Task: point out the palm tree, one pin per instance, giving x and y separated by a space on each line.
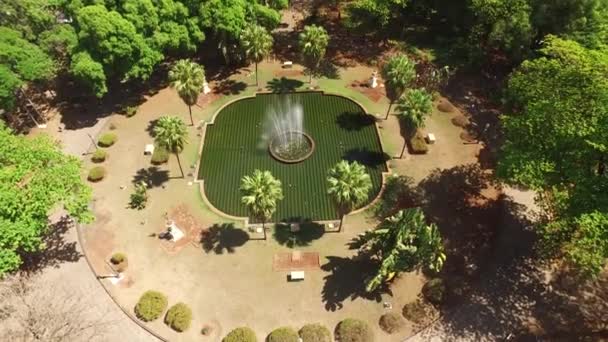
313 44
257 43
398 73
348 185
170 133
188 78
261 193
403 242
414 107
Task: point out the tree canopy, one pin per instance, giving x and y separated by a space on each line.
35 178
557 144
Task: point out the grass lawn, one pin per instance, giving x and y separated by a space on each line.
233 148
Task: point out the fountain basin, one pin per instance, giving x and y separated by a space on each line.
291 147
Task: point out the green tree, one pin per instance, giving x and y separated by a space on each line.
261 193
29 17
403 243
226 20
171 134
414 107
313 44
349 185
89 72
257 44
35 178
557 144
398 73
188 78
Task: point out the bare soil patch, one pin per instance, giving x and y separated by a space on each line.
287 261
374 94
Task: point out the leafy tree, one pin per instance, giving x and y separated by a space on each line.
20 62
256 43
188 78
265 16
170 133
374 14
29 17
60 42
398 73
557 145
261 193
226 19
313 44
348 184
403 243
35 178
89 72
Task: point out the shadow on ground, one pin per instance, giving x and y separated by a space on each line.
366 157
224 237
346 280
152 176
56 251
284 85
309 231
230 87
355 121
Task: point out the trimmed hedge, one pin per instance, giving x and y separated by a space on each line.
415 311
96 174
179 317
159 156
107 140
435 291
117 258
315 333
130 111
418 145
283 334
151 306
99 156
242 334
391 322
354 330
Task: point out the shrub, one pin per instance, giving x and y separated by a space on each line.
179 317
160 156
99 156
150 306
139 198
130 111
284 334
113 126
460 121
118 258
445 106
435 291
353 330
391 322
243 334
107 140
415 311
418 145
96 174
315 333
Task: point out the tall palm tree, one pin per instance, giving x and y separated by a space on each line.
257 43
398 72
261 193
188 78
348 185
414 107
313 44
170 133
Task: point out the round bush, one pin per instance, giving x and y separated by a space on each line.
415 311
460 121
179 317
151 306
283 334
435 291
96 174
445 106
117 258
99 156
107 140
315 333
391 322
243 334
354 330
159 156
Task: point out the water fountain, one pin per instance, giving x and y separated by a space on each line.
284 131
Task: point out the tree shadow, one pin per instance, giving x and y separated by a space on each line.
329 70
223 237
400 192
355 121
346 279
366 157
56 251
284 85
230 87
309 231
152 176
150 128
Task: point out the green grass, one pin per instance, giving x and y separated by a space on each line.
233 148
